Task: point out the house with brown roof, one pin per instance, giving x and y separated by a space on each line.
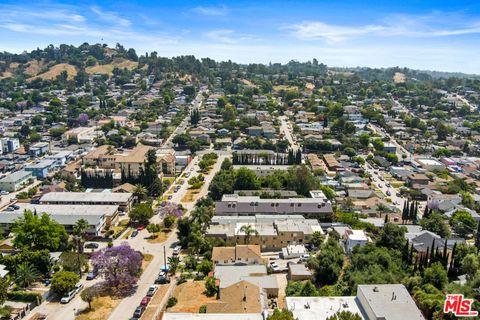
124 188
239 254
240 297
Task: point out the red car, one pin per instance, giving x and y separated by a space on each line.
140 228
145 301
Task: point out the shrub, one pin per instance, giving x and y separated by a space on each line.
202 309
168 222
171 302
24 296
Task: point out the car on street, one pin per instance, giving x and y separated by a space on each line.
151 291
145 301
4 193
91 245
176 250
134 234
170 197
140 228
162 280
304 257
91 275
78 287
389 193
139 311
69 296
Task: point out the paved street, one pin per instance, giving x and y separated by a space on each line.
288 132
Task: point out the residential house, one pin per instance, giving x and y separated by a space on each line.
237 255
15 181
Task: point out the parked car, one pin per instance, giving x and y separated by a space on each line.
170 197
91 245
78 287
389 193
139 311
68 297
145 301
134 234
140 228
4 193
274 266
162 280
151 291
176 250
304 257
91 275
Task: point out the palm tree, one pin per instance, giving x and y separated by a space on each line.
26 274
248 230
140 192
173 263
79 232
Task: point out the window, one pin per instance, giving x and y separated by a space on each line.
299 204
292 204
272 204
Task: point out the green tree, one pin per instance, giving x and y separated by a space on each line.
173 263
345 315
317 238
436 223
392 236
141 213
211 288
249 231
140 192
470 265
327 265
26 274
64 281
168 221
205 267
4 286
283 314
39 233
463 223
88 295
436 275
245 179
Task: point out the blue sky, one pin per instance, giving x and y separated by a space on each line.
435 35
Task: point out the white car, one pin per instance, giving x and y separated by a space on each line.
78 287
304 257
274 266
69 296
176 250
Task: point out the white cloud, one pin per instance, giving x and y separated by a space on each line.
395 25
111 16
222 35
211 11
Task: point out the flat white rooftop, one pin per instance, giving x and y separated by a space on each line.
320 308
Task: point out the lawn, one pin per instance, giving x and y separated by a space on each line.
190 297
127 234
147 258
190 195
161 237
101 309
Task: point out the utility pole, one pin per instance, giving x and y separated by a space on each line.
165 258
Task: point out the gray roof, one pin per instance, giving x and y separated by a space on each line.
16 176
40 165
299 269
83 197
389 301
63 214
212 316
229 275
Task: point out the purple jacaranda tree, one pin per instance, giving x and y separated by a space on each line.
120 266
170 209
83 118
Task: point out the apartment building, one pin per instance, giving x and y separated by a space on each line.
236 205
271 232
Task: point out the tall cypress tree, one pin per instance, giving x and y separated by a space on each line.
405 211
477 238
411 211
